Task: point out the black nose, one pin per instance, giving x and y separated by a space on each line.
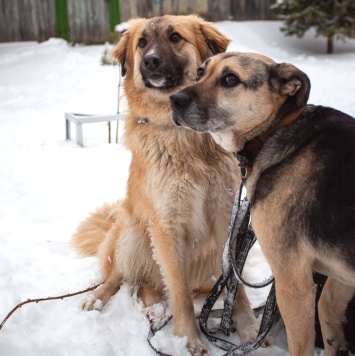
180 101
151 61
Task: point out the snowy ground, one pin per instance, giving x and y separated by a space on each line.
49 185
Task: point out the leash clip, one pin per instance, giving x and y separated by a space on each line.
245 169
243 172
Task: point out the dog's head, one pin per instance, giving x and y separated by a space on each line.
238 96
163 53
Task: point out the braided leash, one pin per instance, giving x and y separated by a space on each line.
240 239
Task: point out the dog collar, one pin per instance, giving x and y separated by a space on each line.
251 149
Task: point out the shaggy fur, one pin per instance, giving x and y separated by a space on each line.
167 235
301 187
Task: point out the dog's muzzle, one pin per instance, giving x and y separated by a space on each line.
179 104
157 74
180 101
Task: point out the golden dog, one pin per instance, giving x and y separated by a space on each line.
169 231
301 182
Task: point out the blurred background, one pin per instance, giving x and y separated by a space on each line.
93 21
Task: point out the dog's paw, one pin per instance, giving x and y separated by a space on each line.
197 348
250 331
91 303
155 313
335 343
334 347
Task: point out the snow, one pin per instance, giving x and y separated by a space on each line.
122 27
48 185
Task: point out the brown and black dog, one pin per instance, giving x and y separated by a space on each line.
301 184
167 235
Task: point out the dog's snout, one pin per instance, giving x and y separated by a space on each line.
180 101
151 61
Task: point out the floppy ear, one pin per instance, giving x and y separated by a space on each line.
289 80
120 52
214 42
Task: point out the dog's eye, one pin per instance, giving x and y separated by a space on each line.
199 73
175 38
142 42
230 80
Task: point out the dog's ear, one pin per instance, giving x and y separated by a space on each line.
213 41
120 52
288 80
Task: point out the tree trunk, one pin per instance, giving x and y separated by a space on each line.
330 42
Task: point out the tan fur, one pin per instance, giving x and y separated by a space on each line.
89 236
292 287
169 231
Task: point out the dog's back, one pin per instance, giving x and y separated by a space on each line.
332 217
325 138
309 167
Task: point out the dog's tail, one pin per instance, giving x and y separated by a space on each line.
92 231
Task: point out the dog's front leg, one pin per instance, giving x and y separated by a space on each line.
171 250
295 294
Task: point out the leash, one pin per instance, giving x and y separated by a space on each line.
240 239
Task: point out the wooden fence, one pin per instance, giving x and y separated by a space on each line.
213 10
25 20
92 21
88 21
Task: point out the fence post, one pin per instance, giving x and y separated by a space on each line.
61 17
114 10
